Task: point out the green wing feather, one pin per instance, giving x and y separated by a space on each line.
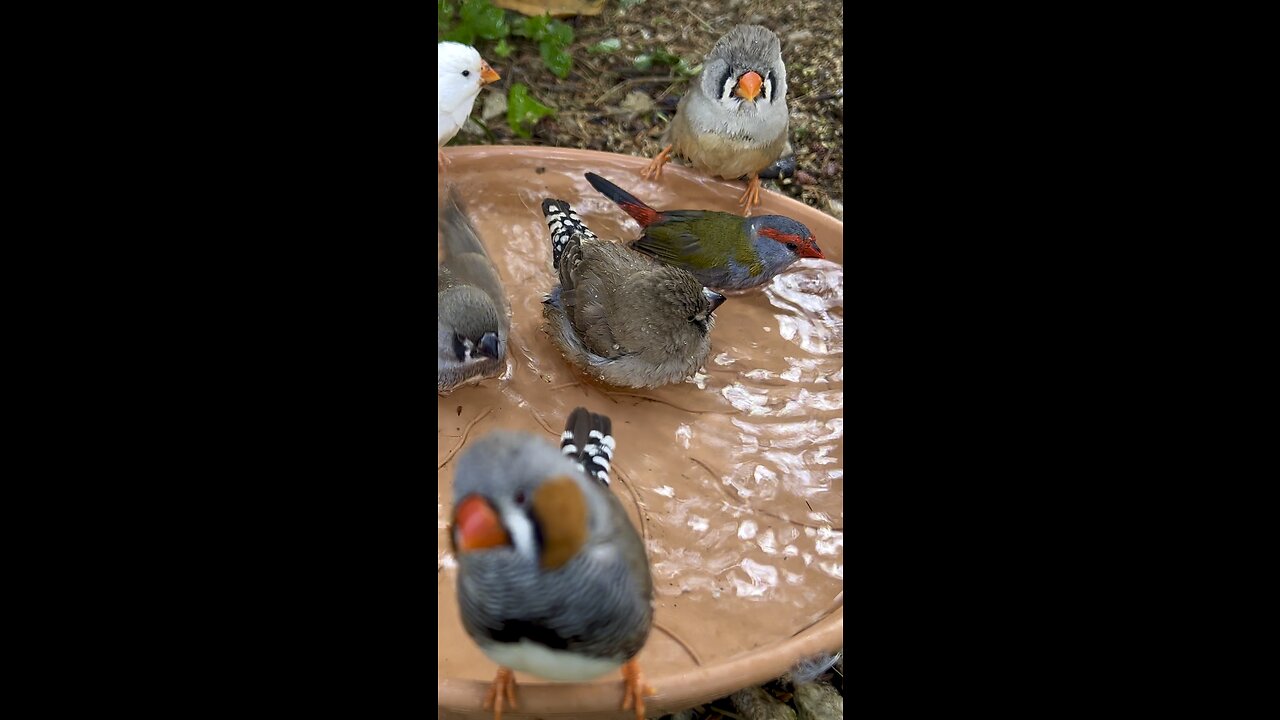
697 239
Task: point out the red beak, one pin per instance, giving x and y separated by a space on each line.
810 250
476 526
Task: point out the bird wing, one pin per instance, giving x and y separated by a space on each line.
465 259
684 239
476 269
588 275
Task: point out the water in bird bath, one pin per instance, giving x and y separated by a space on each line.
735 478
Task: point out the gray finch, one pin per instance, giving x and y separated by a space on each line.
620 316
553 579
733 120
472 323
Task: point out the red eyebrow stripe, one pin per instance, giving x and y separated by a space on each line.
781 237
804 245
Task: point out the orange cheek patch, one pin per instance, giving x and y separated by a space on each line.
561 511
476 526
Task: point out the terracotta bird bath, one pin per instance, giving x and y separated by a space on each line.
735 478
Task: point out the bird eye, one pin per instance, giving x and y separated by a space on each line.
792 247
466 73
519 497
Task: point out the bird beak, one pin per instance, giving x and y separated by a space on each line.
488 346
487 74
713 297
811 250
476 526
749 86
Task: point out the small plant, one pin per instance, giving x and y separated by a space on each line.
552 37
523 111
476 18
666 57
467 21
606 46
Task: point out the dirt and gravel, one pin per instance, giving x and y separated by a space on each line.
612 103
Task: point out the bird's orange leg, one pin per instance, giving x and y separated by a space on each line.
751 196
653 171
633 688
441 160
503 685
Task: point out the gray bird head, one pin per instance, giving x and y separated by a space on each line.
787 234
744 72
517 499
470 340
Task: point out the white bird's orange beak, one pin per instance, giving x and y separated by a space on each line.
749 86
487 74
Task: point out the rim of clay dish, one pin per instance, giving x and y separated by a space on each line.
674 691
460 698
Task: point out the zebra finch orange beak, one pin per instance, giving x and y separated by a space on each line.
749 86
476 526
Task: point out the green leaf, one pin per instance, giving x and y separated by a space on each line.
502 49
523 111
534 27
683 69
444 13
462 34
488 21
560 32
606 46
666 57
556 59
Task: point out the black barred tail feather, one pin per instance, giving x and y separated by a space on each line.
563 223
588 439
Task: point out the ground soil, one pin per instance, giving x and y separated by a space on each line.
609 104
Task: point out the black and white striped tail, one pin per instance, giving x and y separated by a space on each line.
588 439
563 223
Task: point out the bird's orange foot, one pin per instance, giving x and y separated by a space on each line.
634 689
653 171
504 685
751 196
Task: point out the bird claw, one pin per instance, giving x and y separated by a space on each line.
634 690
441 160
751 196
653 171
503 685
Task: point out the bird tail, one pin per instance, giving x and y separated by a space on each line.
563 223
642 213
588 440
458 230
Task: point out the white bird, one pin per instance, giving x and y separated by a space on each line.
462 73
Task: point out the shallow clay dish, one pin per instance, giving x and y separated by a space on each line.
735 478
